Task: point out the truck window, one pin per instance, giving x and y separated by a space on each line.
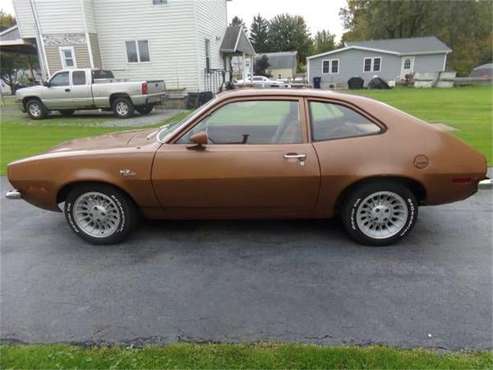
78 78
60 79
101 74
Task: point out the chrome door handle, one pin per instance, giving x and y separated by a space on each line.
300 157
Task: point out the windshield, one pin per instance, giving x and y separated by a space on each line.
167 129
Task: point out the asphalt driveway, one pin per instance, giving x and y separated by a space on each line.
250 281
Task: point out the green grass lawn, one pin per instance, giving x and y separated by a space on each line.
468 109
21 137
235 356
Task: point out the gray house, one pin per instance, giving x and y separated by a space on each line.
390 59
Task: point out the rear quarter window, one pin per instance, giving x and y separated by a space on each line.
334 121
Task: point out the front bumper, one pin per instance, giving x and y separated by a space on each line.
13 194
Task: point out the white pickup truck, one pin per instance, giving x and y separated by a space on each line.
78 89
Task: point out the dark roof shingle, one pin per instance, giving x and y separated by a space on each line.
407 45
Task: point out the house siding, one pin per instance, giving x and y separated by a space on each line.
96 54
351 65
24 18
284 72
55 62
170 30
211 23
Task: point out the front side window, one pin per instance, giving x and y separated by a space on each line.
251 122
67 56
78 78
334 121
138 51
60 79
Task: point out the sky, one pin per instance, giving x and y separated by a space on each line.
318 14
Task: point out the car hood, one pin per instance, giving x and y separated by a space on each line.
30 90
108 141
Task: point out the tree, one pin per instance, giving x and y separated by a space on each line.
323 41
6 20
10 66
237 21
259 34
261 66
287 33
465 26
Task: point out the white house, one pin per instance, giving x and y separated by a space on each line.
178 41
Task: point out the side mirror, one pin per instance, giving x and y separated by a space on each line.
46 83
199 139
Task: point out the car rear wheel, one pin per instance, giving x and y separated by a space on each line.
145 109
67 112
36 109
379 214
123 107
100 214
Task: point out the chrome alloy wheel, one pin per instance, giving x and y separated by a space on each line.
96 214
382 215
35 109
122 108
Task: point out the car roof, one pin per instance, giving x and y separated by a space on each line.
313 93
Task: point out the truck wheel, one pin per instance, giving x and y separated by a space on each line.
379 214
123 107
67 112
145 109
100 214
36 109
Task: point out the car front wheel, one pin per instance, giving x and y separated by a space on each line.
36 109
379 214
100 214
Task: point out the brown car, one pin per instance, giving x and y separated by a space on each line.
258 154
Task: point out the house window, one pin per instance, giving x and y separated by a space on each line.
372 64
407 64
325 66
376 64
138 51
159 2
67 56
334 66
330 66
207 54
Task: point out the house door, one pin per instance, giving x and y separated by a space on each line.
407 66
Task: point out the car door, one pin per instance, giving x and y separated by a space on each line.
81 90
57 95
257 158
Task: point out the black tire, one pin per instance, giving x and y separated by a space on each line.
36 109
145 109
123 108
123 206
67 112
357 198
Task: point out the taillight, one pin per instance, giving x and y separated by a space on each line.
144 88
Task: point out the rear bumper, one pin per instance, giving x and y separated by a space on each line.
13 194
157 98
